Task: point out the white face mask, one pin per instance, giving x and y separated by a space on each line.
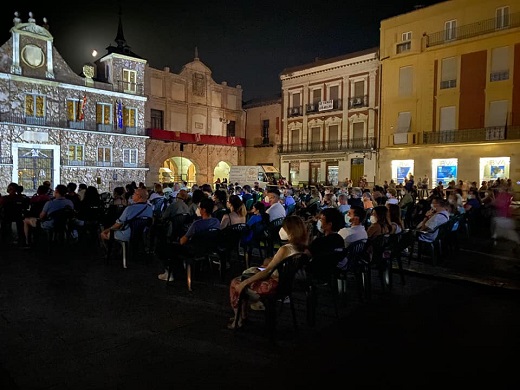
283 235
266 199
197 212
318 226
347 219
373 219
471 197
388 195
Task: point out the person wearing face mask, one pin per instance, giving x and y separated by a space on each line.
264 281
379 222
406 201
436 216
355 218
322 248
473 201
391 196
182 249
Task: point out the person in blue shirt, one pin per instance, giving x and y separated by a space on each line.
139 208
205 223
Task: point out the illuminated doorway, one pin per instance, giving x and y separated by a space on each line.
221 171
182 169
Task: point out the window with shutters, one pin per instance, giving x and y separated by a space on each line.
104 155
35 106
230 129
449 73
75 154
499 64
405 81
129 80
73 109
450 30
129 157
104 113
502 17
265 131
129 117
157 120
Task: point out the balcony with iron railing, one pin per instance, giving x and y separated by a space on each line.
471 30
128 87
485 134
295 111
104 164
11 118
324 105
358 102
349 145
263 142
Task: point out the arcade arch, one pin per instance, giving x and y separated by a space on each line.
221 171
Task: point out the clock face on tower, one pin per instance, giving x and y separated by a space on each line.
33 56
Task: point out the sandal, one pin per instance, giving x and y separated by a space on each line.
232 324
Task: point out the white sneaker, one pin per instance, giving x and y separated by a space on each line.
164 276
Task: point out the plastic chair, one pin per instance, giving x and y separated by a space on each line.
202 247
273 241
61 231
231 237
287 270
138 243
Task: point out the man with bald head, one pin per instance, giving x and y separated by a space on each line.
139 208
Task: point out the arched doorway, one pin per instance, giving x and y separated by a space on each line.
178 169
221 171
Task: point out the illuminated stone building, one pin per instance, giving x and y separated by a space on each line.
263 129
330 119
196 126
59 126
451 92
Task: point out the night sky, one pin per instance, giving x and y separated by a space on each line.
242 42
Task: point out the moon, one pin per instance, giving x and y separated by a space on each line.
94 53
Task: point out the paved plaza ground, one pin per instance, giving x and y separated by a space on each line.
72 321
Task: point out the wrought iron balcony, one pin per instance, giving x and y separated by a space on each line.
471 30
295 111
486 134
263 142
358 101
355 144
322 106
97 164
68 124
127 87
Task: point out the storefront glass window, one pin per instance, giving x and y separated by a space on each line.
444 170
401 169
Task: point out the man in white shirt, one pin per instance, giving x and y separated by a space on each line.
355 216
276 209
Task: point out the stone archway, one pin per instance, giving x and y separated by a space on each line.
221 171
203 157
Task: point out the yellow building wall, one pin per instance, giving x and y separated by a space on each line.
427 99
